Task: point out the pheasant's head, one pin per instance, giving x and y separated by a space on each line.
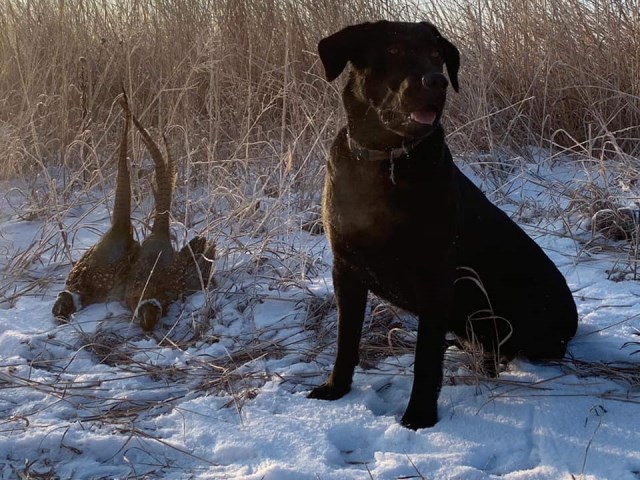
66 303
149 312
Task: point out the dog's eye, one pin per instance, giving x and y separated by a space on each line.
393 51
435 54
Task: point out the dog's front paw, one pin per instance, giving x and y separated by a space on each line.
419 418
329 391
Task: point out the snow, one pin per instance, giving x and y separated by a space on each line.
219 389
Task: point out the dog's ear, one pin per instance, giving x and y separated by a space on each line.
341 47
450 54
451 60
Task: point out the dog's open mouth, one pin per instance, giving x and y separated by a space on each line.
414 123
424 117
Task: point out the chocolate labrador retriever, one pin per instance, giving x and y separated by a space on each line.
406 224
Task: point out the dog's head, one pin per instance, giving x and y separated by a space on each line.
397 72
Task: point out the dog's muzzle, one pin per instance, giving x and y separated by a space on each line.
436 81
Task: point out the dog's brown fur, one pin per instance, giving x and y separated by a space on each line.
406 224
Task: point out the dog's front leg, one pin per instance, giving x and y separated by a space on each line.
351 299
422 410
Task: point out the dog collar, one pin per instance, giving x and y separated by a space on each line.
369 154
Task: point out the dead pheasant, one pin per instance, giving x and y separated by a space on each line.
102 271
161 275
196 276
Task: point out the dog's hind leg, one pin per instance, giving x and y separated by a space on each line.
351 298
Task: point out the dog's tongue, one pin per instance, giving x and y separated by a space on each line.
426 117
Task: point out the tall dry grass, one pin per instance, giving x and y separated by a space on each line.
566 71
239 88
241 81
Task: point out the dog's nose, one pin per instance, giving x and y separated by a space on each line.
435 80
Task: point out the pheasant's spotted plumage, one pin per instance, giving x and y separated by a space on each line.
188 273
160 275
194 263
101 272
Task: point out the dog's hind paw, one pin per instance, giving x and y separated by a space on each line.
423 418
328 391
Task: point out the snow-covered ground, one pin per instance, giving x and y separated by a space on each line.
219 390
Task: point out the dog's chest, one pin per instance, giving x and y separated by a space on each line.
385 211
